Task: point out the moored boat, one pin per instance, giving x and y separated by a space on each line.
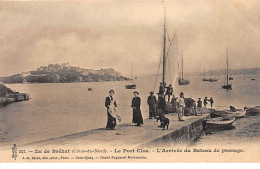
204 79
218 113
238 114
220 123
181 80
253 111
226 85
131 86
211 79
170 68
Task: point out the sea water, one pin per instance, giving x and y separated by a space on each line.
58 109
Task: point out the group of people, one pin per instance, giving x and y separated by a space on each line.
168 92
111 106
157 107
205 101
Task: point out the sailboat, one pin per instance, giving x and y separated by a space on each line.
181 80
132 85
205 79
211 79
226 85
168 62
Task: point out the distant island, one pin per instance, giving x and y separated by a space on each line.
64 73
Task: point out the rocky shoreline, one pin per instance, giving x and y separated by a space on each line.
8 96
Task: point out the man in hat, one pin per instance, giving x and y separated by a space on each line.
169 91
151 101
205 101
199 105
181 104
162 88
161 106
136 104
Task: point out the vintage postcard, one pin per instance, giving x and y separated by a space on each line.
129 81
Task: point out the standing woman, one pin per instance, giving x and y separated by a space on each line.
136 103
109 103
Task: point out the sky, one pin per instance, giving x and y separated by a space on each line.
105 33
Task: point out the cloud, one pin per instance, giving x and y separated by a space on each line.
100 34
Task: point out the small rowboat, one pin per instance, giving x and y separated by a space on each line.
219 113
238 114
132 86
253 111
220 123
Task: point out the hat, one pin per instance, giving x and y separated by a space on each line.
181 93
111 91
151 92
206 97
170 85
136 92
199 98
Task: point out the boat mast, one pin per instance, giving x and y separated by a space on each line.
182 66
204 72
164 46
211 72
132 77
227 64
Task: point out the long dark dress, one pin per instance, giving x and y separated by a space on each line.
152 105
137 115
111 121
161 106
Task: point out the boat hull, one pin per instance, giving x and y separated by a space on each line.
228 87
239 114
133 86
183 82
254 111
213 80
220 123
224 113
205 80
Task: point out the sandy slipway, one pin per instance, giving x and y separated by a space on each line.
133 136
